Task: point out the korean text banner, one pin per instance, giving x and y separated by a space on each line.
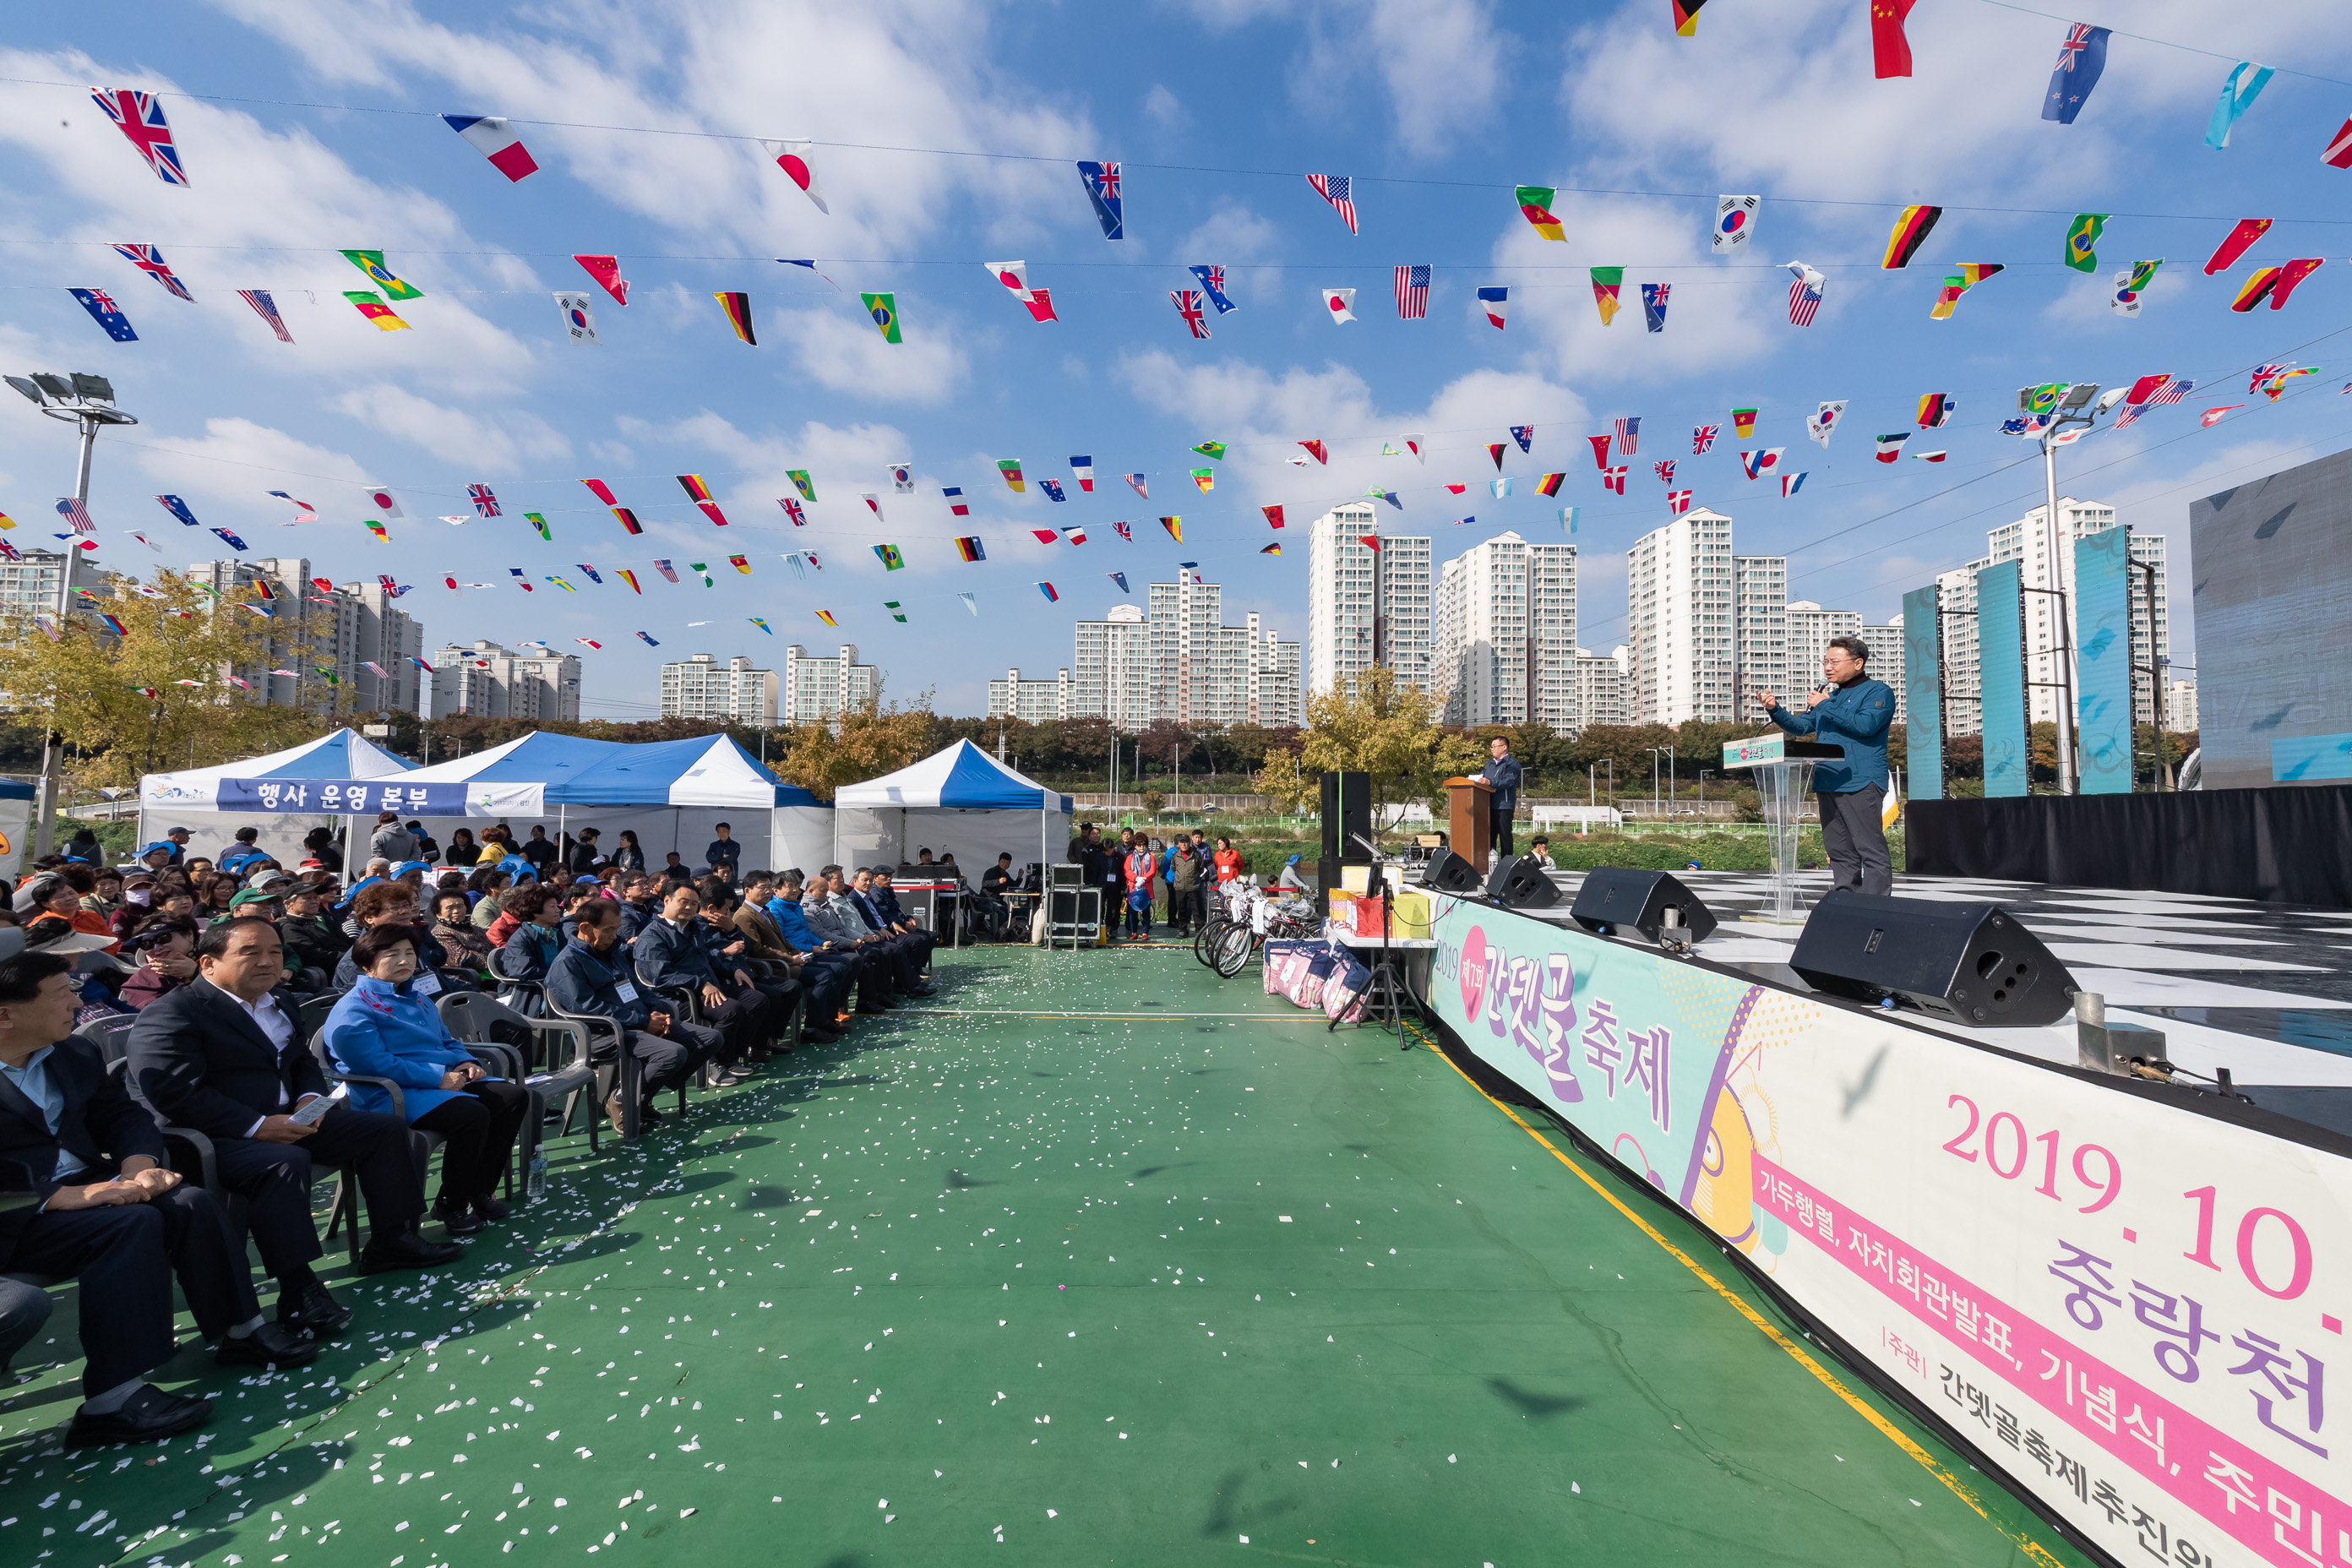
2129 1306
353 797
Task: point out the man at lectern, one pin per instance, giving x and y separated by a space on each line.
1502 772
1852 710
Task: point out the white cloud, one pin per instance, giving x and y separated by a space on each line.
843 351
1438 61
1164 109
227 475
491 445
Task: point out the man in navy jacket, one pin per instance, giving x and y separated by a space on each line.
102 1209
1852 710
669 955
1502 771
591 975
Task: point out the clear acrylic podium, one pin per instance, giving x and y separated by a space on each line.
1784 771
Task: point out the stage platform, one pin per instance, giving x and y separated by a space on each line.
1097 1256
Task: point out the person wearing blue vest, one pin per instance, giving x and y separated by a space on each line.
1852 710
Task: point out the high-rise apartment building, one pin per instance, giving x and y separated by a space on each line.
1604 687
1179 662
1759 628
702 688
1885 644
1369 597
28 585
341 631
817 689
1680 585
1505 634
1956 607
2027 541
1811 628
529 682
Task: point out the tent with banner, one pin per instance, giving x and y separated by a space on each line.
672 794
961 801
284 795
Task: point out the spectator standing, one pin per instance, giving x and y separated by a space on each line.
321 843
243 851
1185 892
392 842
385 1028
426 849
627 854
724 851
538 851
1228 861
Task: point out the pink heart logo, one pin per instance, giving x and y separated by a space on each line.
1473 973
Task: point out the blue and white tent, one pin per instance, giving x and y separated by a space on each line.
671 794
284 795
961 801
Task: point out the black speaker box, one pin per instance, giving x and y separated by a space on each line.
1347 817
1518 883
1971 964
1449 873
1618 895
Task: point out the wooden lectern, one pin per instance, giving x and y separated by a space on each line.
1469 819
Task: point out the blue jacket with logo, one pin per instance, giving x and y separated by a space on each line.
1855 717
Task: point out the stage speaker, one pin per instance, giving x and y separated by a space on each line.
1347 817
1615 897
1518 883
1449 873
1971 964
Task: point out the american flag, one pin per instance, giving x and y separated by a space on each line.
1614 479
76 511
150 260
1804 294
1629 435
1677 503
1703 439
1665 469
2174 389
1333 188
1412 293
484 501
267 309
140 115
1188 305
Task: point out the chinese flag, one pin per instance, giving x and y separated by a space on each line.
1890 51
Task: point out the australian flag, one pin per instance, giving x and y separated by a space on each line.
2081 58
1213 284
178 508
1525 435
106 313
1102 189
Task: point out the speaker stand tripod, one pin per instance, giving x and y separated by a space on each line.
1383 1001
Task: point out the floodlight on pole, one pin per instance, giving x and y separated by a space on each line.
86 402
2076 407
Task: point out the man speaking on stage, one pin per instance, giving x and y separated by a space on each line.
1852 710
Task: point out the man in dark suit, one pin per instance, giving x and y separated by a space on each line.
226 1059
97 1203
669 955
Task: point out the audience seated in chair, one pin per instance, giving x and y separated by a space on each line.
591 978
384 1027
669 955
98 1205
223 1056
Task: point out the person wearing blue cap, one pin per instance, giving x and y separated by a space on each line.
158 856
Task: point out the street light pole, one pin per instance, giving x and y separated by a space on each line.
2075 407
88 402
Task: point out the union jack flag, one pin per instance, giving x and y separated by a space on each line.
1124 531
1703 439
150 260
1333 188
1665 468
1412 293
1188 305
1629 435
2263 372
1614 479
141 117
484 501
76 511
2078 38
800 518
267 309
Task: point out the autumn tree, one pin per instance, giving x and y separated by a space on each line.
861 743
1386 730
172 688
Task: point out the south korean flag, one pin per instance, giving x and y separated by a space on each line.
578 320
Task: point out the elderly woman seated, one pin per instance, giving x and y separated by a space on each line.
384 1027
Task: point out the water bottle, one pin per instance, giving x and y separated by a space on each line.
535 1186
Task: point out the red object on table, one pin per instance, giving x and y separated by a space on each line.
1371 916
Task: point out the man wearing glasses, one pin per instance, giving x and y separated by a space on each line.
1852 710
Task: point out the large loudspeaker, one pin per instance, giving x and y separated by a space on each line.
1346 815
1518 883
1615 895
1449 873
1971 964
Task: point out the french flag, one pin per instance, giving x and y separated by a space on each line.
496 139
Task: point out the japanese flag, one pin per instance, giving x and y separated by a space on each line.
1339 302
791 157
385 505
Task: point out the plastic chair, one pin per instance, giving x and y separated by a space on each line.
689 1006
469 1015
111 1036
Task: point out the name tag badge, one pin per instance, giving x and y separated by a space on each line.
427 984
625 992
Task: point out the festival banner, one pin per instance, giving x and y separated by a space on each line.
2128 1306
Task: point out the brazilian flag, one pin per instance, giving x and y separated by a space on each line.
884 309
2082 238
891 560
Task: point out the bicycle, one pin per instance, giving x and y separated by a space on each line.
1288 919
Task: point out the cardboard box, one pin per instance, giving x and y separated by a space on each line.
1412 918
1356 878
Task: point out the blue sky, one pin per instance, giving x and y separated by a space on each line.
1216 109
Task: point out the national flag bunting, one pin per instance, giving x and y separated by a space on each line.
1743 423
1135 482
1654 305
1677 503
365 302
1955 284
1188 305
956 503
266 306
1687 17
1703 439
2212 416
1495 449
76 512
1805 293
2225 255
1335 189
1053 488
495 139
1213 284
1606 281
2081 56
1270 550
884 310
792 508
1890 51
1599 445
699 494
486 504
1935 410
1494 302
1206 478
1757 463
1937 456
1535 204
1315 450
791 157
1890 447
1412 292
2239 90
2082 241
1213 450
737 304
970 548
1272 515
178 508
1735 220
1910 232
1525 435
1175 527
826 617
1340 304
1074 535
1665 469
139 117
372 263
2130 284
1010 469
606 271
802 483
1101 181
889 557
1082 468
1051 596
1790 484
1548 485
1629 435
898 610
107 314
1614 479
150 260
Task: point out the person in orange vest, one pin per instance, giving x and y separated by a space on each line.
1142 868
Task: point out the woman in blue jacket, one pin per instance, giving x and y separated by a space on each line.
382 1028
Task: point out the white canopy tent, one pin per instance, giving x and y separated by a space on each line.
962 801
284 795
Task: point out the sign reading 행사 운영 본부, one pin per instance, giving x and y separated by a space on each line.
2129 1306
342 797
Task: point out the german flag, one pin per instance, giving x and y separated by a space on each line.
628 519
1550 484
1911 231
2255 289
969 547
1686 19
699 494
738 306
